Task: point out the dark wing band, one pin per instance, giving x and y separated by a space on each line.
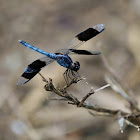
85 52
34 68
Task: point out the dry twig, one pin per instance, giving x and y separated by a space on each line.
119 114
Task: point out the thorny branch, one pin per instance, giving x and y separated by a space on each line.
123 117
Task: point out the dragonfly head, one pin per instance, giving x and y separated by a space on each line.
75 66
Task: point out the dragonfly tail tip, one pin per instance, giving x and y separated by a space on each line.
20 41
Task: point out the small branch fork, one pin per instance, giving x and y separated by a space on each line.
123 117
91 93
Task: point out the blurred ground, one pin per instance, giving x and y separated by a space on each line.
25 114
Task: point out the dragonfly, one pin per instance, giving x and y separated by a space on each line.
61 56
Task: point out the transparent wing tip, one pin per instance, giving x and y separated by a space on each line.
96 53
102 25
99 27
22 81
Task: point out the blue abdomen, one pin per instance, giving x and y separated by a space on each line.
50 55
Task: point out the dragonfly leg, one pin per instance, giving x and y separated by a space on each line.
68 76
65 76
75 75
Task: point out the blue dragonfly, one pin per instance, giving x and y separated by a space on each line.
61 56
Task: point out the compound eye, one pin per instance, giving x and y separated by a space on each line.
77 66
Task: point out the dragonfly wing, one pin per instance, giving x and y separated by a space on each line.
33 68
85 52
86 35
62 51
82 37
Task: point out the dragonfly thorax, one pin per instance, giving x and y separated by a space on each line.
75 66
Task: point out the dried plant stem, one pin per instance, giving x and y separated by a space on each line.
73 100
119 114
